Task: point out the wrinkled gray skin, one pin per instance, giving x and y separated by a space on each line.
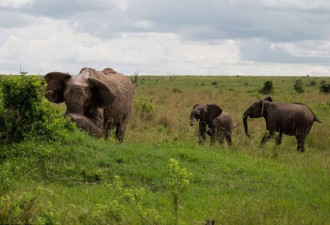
223 127
205 114
293 119
97 101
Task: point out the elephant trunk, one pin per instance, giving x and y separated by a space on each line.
245 125
86 124
192 116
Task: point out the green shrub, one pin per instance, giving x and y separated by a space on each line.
17 209
268 88
178 182
325 88
23 208
312 83
176 90
24 111
146 109
299 86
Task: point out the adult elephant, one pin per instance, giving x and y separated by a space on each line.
293 119
205 114
97 101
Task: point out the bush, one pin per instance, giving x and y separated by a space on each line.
176 90
214 83
24 111
325 88
299 86
268 88
146 108
312 83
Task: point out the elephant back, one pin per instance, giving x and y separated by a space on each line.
109 71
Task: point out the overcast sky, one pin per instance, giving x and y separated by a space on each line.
155 37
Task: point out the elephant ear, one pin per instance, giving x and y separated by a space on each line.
268 99
56 86
102 95
213 111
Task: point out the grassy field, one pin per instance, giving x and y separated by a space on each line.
75 180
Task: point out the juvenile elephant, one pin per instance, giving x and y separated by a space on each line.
97 101
223 127
205 114
293 119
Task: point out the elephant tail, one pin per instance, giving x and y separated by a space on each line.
236 125
316 119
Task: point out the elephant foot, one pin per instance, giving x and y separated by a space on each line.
86 124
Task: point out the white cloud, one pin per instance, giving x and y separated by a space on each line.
54 42
305 48
15 3
166 37
296 4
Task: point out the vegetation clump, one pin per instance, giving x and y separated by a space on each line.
178 181
299 86
176 90
312 83
325 88
268 88
24 111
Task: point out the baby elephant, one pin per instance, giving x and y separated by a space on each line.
223 125
205 114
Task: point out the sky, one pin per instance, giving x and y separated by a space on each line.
166 37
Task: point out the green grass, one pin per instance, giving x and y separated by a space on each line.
72 179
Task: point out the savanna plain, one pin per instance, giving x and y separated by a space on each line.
161 175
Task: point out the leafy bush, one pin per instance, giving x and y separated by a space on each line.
325 88
312 83
23 208
178 182
146 109
268 88
299 86
24 111
176 90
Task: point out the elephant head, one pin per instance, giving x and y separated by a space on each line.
256 110
82 94
206 113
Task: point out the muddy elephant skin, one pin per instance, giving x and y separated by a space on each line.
97 101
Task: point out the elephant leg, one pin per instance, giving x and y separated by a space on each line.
202 130
212 136
268 135
300 144
121 128
221 138
108 125
212 130
279 139
228 138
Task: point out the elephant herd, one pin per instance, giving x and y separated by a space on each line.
293 119
99 101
